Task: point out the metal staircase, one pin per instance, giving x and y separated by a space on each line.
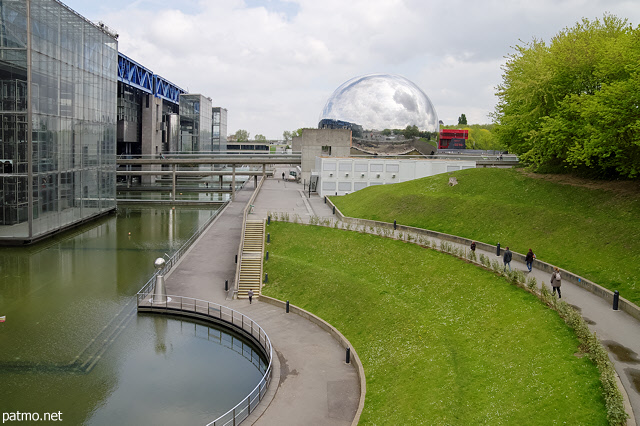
250 276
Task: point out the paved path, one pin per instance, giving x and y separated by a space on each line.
316 386
312 384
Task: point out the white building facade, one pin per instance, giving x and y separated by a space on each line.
343 175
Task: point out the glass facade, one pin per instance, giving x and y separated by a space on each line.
58 118
219 129
195 123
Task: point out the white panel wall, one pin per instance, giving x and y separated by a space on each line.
339 176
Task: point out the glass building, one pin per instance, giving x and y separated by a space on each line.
58 119
195 123
219 130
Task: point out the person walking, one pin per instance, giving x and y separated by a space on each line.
250 296
556 280
282 175
529 259
473 246
507 258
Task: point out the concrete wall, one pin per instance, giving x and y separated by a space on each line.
311 142
151 133
338 176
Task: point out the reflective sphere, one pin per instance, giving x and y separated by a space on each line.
159 263
378 102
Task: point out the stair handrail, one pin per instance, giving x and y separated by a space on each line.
233 290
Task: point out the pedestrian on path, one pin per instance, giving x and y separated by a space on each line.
250 296
282 175
507 258
556 280
529 259
473 246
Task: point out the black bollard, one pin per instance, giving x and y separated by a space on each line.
268 237
394 225
498 250
268 220
236 258
325 199
334 209
287 307
616 296
226 285
348 357
267 256
266 278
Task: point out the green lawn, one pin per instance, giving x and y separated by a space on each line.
441 341
594 233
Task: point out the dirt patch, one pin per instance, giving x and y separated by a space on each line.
622 187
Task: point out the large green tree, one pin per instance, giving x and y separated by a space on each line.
260 138
462 119
574 104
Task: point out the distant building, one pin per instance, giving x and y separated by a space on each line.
219 129
453 139
58 113
196 123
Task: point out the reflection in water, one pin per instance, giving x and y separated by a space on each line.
69 304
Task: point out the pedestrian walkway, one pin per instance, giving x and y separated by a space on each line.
314 385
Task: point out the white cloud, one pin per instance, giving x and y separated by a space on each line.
274 63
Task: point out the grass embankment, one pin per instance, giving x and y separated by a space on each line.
441 341
591 232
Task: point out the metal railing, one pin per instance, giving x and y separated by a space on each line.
234 288
150 285
203 310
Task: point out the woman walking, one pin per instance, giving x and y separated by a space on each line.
556 281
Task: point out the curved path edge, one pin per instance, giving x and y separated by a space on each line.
344 342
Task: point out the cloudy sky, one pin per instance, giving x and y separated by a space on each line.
274 63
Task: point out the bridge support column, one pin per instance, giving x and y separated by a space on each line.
233 182
173 183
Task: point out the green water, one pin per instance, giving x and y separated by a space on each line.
73 343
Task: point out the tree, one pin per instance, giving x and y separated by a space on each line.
260 138
574 104
286 135
297 133
386 132
462 120
411 132
242 135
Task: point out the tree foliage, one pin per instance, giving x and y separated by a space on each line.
286 136
260 138
462 120
242 135
574 104
411 132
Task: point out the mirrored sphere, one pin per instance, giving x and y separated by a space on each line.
159 263
378 102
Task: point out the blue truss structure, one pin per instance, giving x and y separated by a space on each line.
132 73
135 75
166 90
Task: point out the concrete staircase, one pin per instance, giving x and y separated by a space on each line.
250 276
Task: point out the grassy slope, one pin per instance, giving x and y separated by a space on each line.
441 341
594 233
